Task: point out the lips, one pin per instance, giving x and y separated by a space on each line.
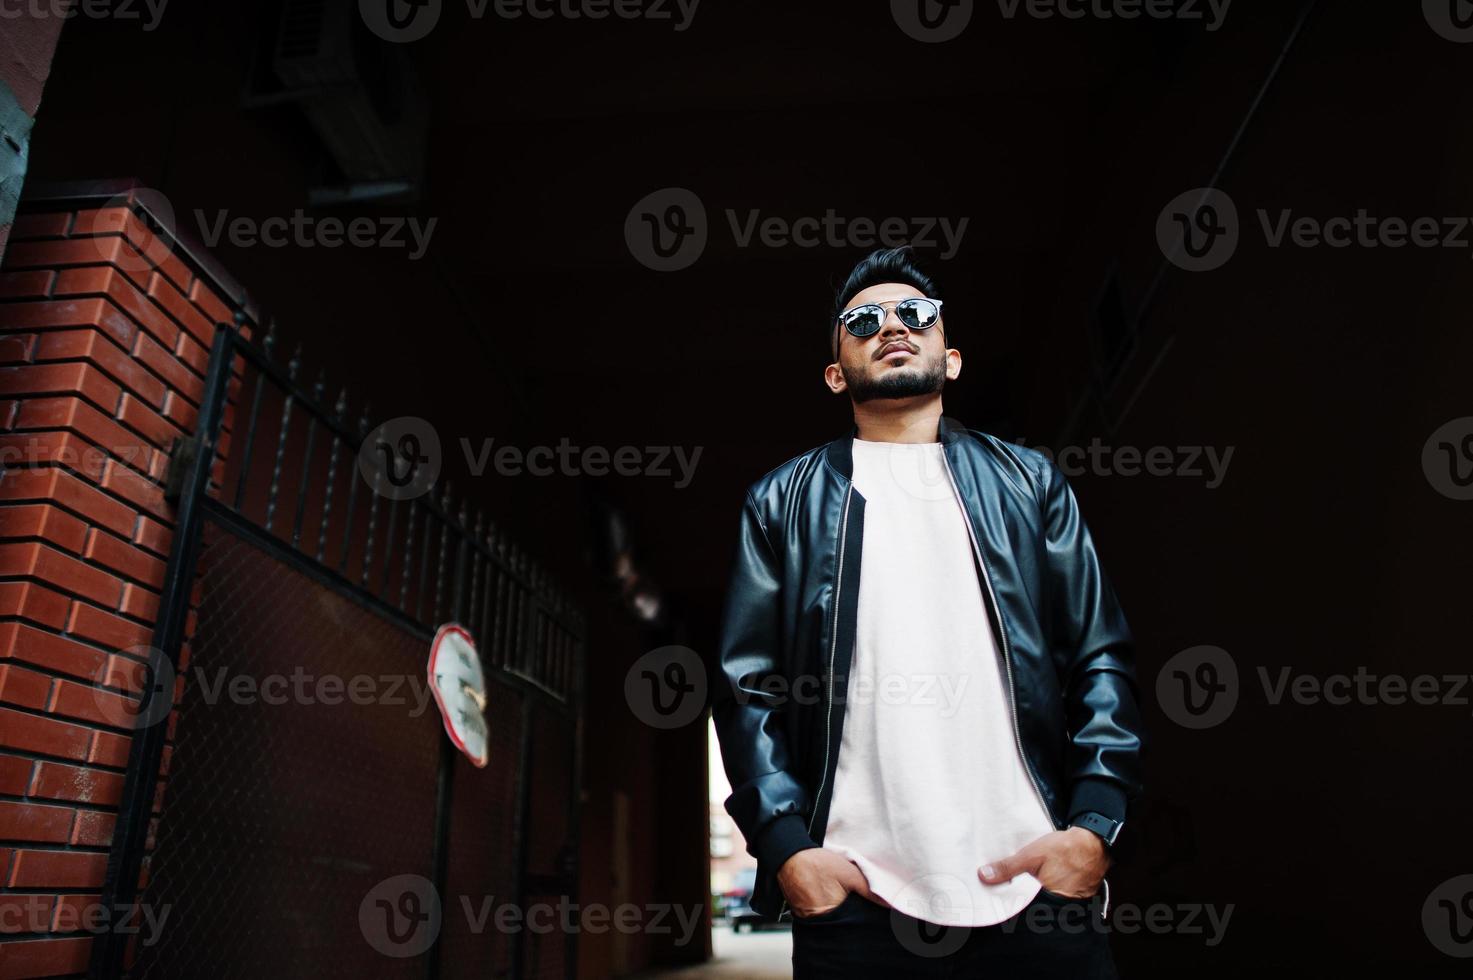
895 347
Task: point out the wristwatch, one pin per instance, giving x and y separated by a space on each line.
1100 825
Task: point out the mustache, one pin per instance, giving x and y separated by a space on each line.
908 346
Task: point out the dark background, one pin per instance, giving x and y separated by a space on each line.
1326 370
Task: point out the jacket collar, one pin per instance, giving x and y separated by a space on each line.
841 451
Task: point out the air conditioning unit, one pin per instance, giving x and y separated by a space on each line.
360 93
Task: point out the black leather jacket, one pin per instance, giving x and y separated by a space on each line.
787 636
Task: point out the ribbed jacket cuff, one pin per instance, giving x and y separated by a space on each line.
1101 796
781 839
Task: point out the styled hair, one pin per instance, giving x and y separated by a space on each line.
881 265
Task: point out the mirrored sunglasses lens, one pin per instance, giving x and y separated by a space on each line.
917 314
864 320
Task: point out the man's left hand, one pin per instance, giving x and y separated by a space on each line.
1071 863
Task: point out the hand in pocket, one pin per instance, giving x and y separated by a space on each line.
816 881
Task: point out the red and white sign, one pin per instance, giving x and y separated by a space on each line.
459 687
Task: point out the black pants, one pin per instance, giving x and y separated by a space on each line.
1052 937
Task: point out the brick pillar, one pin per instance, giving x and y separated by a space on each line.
104 336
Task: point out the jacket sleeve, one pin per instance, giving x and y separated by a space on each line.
748 700
1093 648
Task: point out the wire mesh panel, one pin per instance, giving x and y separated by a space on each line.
279 818
547 952
482 873
312 809
551 764
549 841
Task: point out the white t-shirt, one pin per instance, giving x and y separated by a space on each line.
930 783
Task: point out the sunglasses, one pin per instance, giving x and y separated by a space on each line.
916 314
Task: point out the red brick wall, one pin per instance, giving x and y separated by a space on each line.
102 357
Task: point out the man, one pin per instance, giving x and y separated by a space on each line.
928 712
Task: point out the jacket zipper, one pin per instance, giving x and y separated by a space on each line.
833 648
1007 657
1008 664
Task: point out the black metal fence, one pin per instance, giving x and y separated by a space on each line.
267 819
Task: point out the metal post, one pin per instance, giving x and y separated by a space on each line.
445 780
575 804
523 818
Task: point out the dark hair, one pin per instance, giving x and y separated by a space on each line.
881 265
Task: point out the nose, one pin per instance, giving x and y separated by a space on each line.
891 325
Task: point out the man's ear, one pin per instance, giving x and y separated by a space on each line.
953 363
833 376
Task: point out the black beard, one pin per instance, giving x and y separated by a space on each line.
897 384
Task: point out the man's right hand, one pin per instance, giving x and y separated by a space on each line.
815 881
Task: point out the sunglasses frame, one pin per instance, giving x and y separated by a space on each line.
894 304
